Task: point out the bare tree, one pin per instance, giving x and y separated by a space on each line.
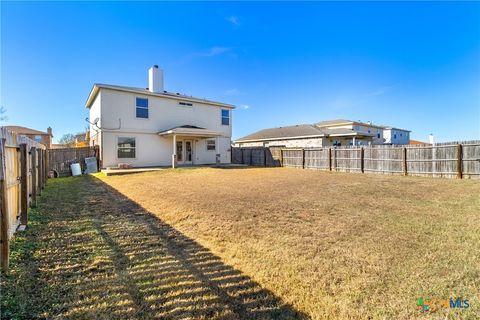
68 139
3 116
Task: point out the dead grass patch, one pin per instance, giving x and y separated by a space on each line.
344 246
91 253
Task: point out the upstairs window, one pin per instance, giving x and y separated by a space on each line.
141 108
126 148
38 139
225 117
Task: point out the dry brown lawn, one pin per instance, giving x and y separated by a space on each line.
333 245
254 243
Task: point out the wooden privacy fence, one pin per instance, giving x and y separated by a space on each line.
23 174
448 160
60 159
257 156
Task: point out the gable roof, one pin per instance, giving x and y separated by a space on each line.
165 94
302 130
25 130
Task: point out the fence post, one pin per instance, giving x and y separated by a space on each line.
23 184
47 162
264 156
44 157
281 157
39 171
303 158
329 159
459 162
404 156
362 160
33 152
4 250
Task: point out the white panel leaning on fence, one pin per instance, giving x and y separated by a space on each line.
459 159
22 177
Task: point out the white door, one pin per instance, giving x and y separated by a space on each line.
180 152
184 151
188 147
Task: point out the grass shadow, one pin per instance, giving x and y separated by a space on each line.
96 254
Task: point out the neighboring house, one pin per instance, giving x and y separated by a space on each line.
82 139
153 127
396 136
79 140
326 133
42 137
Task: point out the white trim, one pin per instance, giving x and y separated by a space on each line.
192 132
148 111
116 148
221 117
96 88
206 144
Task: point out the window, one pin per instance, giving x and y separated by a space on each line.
142 108
378 135
38 139
211 145
395 136
185 104
126 148
225 117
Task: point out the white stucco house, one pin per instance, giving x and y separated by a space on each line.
153 127
396 136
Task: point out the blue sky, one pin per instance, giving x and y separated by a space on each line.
410 65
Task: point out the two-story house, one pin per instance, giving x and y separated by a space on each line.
338 132
42 137
153 127
396 135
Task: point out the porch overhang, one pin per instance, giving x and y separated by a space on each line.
190 131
